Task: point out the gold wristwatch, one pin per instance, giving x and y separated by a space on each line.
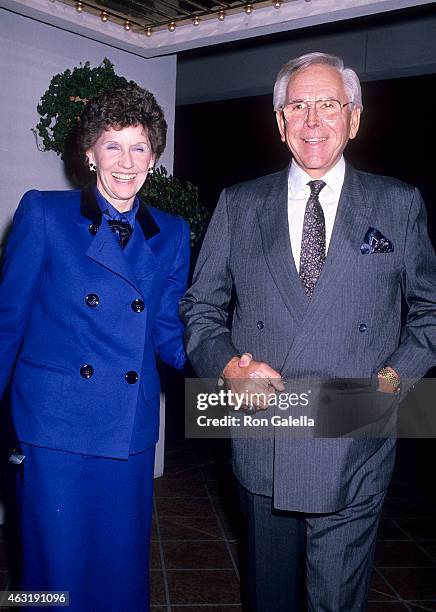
391 377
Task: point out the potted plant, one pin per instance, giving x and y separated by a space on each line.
176 197
63 102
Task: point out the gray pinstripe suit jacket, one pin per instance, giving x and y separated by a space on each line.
247 250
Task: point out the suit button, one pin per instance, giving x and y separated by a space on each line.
92 300
93 229
363 327
137 305
131 377
86 371
260 325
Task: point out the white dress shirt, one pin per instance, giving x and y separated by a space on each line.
298 194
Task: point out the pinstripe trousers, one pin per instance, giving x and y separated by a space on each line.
338 547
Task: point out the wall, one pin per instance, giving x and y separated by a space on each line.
378 47
30 54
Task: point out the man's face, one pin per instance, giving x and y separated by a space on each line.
318 144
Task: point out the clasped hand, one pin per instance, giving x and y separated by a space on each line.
255 380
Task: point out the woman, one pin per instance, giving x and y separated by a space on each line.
89 296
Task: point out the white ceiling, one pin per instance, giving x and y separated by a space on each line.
293 14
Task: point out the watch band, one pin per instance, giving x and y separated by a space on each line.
392 378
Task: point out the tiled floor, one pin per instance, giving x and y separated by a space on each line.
195 547
194 552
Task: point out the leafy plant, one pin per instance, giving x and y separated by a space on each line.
177 198
63 102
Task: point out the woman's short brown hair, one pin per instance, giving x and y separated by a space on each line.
119 108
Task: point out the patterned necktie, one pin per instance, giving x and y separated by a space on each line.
312 255
122 229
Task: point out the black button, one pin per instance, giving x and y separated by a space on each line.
131 377
92 300
260 325
137 305
363 327
93 228
86 371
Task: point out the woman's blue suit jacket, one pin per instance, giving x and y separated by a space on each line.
81 323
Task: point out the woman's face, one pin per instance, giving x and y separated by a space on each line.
123 158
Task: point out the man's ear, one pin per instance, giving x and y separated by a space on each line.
354 121
281 125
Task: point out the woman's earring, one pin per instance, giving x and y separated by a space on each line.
151 170
92 166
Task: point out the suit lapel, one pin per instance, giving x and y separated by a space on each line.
105 250
351 223
274 227
138 252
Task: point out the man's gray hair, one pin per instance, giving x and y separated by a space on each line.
349 77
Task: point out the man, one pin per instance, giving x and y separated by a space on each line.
318 257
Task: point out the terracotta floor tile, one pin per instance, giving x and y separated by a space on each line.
399 488
235 549
387 530
379 590
400 554
211 472
419 528
154 534
430 547
386 606
214 488
416 507
157 588
412 583
176 472
195 456
421 606
203 587
155 562
197 555
183 487
231 522
190 528
184 507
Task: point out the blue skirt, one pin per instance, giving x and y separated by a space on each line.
85 527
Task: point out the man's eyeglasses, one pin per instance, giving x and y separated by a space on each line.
326 109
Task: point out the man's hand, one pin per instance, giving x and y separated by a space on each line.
255 379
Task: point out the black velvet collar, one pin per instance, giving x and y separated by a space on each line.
90 209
